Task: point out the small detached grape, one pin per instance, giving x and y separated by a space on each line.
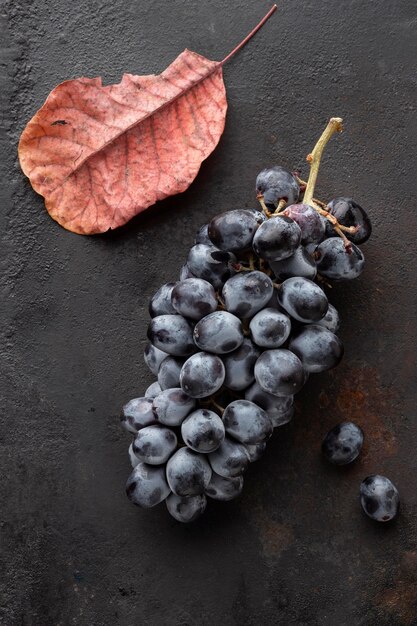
343 443
379 498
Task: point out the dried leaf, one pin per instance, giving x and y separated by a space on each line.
101 155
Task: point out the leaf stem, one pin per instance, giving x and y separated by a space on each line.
251 34
334 125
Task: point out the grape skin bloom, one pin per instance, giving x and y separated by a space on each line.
279 372
247 293
343 443
269 328
147 485
171 334
220 332
186 509
155 444
188 473
317 348
202 375
379 498
246 422
194 298
203 431
303 300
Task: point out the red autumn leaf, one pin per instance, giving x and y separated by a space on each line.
101 155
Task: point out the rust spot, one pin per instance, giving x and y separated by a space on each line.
401 597
357 395
363 399
275 537
324 400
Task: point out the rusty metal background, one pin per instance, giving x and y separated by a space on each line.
296 547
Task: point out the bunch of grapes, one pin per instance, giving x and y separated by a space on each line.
237 336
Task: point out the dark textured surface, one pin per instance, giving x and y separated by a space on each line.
296 547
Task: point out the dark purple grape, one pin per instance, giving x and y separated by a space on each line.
202 375
220 332
160 303
220 488
317 348
247 293
203 431
172 406
233 230
230 459
246 422
169 372
171 334
153 358
239 365
153 390
210 263
303 300
132 457
343 443
331 320
349 213
308 219
155 444
279 409
259 215
202 235
301 263
256 451
186 272
336 263
186 509
137 414
279 372
147 485
276 183
379 498
188 473
277 238
194 298
270 328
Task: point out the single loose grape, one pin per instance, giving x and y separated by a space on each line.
343 443
379 498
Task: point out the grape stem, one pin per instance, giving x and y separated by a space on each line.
314 158
263 205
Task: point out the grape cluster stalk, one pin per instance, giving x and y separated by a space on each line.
237 336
